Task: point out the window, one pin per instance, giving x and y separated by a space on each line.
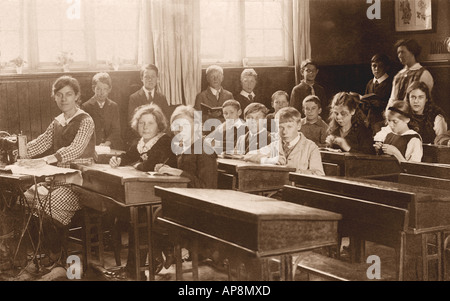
11 31
258 31
94 31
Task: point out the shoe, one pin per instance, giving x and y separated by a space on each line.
118 274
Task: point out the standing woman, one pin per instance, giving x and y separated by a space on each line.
408 51
68 139
347 130
431 119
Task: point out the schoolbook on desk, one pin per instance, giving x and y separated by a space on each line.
212 111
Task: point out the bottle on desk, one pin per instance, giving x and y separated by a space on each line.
22 146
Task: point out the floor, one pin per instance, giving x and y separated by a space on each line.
207 271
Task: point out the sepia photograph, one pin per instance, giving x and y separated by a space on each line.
224 147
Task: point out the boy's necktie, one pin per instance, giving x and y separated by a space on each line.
250 97
312 90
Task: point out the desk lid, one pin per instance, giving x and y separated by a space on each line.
125 174
240 164
244 204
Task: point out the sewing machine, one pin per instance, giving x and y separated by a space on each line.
12 147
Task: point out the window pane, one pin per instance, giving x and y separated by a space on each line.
57 32
234 29
10 29
273 43
273 15
220 33
116 26
255 43
254 15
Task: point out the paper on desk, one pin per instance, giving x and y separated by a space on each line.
67 175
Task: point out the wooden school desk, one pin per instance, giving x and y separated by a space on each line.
433 175
244 228
358 164
251 177
133 190
429 209
436 153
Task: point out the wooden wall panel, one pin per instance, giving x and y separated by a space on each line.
23 107
35 110
3 108
13 109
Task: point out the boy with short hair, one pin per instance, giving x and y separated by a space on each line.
378 91
225 136
257 135
292 148
104 112
249 79
280 99
313 126
308 86
214 95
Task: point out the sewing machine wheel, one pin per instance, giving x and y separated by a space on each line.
4 134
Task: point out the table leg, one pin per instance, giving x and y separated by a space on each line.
179 262
137 255
149 210
194 254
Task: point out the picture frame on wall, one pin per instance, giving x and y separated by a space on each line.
413 15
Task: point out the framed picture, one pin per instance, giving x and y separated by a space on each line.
413 15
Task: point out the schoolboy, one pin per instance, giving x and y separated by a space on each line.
104 112
214 95
308 86
292 148
225 136
257 135
313 126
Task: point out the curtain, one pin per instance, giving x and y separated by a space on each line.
170 39
301 35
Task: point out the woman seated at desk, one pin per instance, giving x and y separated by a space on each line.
347 130
68 139
152 148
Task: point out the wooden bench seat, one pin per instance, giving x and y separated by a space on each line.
362 220
321 267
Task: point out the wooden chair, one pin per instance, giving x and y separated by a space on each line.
361 221
95 207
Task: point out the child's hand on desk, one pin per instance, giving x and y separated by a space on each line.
165 169
114 161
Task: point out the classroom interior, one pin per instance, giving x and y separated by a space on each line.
397 211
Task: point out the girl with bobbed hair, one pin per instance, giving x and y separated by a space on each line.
403 142
347 130
430 118
153 147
